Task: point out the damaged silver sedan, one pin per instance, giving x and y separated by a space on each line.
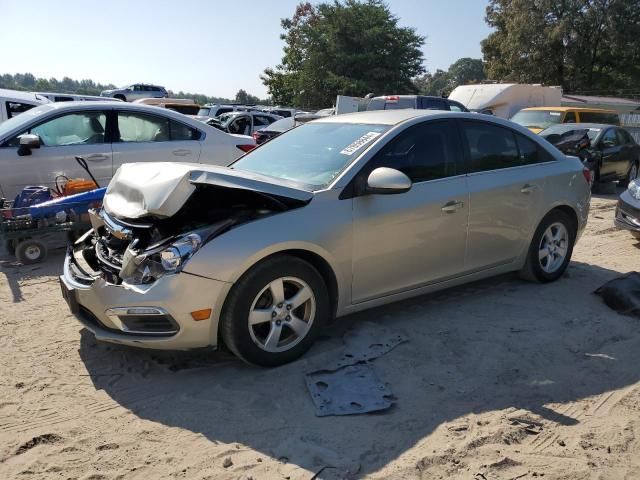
336 216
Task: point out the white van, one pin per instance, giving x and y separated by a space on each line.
14 102
504 100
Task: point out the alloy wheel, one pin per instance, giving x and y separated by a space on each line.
281 314
553 247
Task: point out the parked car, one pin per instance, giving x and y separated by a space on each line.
42 143
15 102
537 119
342 214
242 123
628 209
72 97
136 91
214 110
280 126
186 106
394 102
609 152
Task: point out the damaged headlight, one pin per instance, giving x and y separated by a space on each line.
152 264
634 189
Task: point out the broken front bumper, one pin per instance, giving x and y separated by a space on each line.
152 316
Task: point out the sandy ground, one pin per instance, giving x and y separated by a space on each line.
501 379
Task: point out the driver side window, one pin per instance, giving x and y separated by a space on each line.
427 151
84 128
609 139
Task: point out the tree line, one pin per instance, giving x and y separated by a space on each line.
28 82
356 47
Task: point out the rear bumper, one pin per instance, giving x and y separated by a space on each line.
175 296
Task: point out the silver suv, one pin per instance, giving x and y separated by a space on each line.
136 91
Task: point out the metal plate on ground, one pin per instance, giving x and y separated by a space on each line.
350 390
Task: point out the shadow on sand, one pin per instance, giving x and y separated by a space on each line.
486 346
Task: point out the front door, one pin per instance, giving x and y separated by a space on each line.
505 189
408 240
62 139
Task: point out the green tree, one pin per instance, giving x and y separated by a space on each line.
467 70
435 84
348 47
246 98
582 45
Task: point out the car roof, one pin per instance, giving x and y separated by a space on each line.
20 95
381 117
571 109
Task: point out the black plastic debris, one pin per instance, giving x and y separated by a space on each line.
350 390
350 386
622 294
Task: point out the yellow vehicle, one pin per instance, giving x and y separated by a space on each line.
537 119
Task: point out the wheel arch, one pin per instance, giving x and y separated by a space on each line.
310 253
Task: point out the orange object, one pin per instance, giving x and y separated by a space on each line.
201 314
79 185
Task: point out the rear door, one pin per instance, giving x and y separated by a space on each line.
63 137
628 154
141 137
505 188
407 240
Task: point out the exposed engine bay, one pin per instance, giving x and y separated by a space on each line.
141 250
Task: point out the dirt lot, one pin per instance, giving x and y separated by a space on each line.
501 379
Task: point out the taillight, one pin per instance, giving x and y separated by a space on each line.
246 148
587 175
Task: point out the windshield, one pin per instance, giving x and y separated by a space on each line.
204 111
22 119
281 125
537 118
312 154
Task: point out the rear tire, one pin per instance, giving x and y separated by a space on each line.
30 251
263 322
551 248
120 97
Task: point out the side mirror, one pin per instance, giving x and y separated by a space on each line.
387 181
27 143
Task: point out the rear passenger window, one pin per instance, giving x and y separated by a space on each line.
426 151
570 117
180 132
490 147
16 108
531 152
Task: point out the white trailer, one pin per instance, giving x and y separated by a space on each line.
506 99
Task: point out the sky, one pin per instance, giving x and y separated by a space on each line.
215 47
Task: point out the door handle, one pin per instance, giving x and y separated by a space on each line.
528 188
98 157
181 152
452 206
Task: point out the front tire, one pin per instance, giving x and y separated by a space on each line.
120 97
30 251
551 248
275 311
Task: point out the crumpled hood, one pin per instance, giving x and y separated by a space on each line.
161 189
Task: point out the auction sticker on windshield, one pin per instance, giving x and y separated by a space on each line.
359 143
